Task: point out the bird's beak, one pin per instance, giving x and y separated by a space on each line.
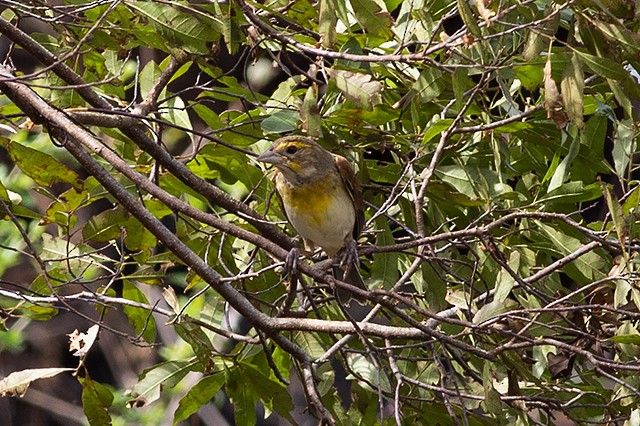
269 157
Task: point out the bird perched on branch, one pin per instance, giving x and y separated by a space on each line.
321 198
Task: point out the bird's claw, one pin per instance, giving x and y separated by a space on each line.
350 255
291 261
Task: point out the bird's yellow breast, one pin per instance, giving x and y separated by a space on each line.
310 200
321 212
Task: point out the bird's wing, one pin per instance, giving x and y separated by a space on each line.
354 190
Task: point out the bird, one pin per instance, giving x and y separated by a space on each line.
321 198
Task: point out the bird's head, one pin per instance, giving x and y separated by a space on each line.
298 158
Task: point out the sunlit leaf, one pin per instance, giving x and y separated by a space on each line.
310 113
327 22
42 168
624 145
493 309
17 383
572 88
372 17
282 121
180 29
358 88
169 373
469 18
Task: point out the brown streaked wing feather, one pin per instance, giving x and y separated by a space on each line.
353 189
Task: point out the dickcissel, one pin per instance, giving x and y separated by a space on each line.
321 198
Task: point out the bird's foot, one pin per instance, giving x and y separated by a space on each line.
350 255
291 261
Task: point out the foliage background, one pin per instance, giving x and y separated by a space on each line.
496 145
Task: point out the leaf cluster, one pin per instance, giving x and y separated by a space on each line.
495 143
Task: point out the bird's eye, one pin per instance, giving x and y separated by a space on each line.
291 149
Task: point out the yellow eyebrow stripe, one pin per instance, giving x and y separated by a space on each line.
297 144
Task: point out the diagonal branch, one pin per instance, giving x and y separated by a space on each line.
137 133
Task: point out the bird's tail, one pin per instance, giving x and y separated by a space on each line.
350 275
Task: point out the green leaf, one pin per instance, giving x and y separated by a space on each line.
282 361
445 194
594 134
530 75
493 309
96 400
602 66
211 119
311 343
562 170
217 161
429 85
373 18
140 319
303 12
358 88
538 38
382 172
179 29
200 394
540 355
245 129
628 343
624 145
148 76
632 202
384 273
242 396
138 238
505 281
469 18
17 383
231 26
623 287
65 208
42 168
617 216
310 113
473 181
246 385
461 84
630 339
572 192
572 89
272 392
104 226
282 121
174 112
198 340
620 35
586 268
4 195
435 129
153 379
362 366
327 23
492 398
621 96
